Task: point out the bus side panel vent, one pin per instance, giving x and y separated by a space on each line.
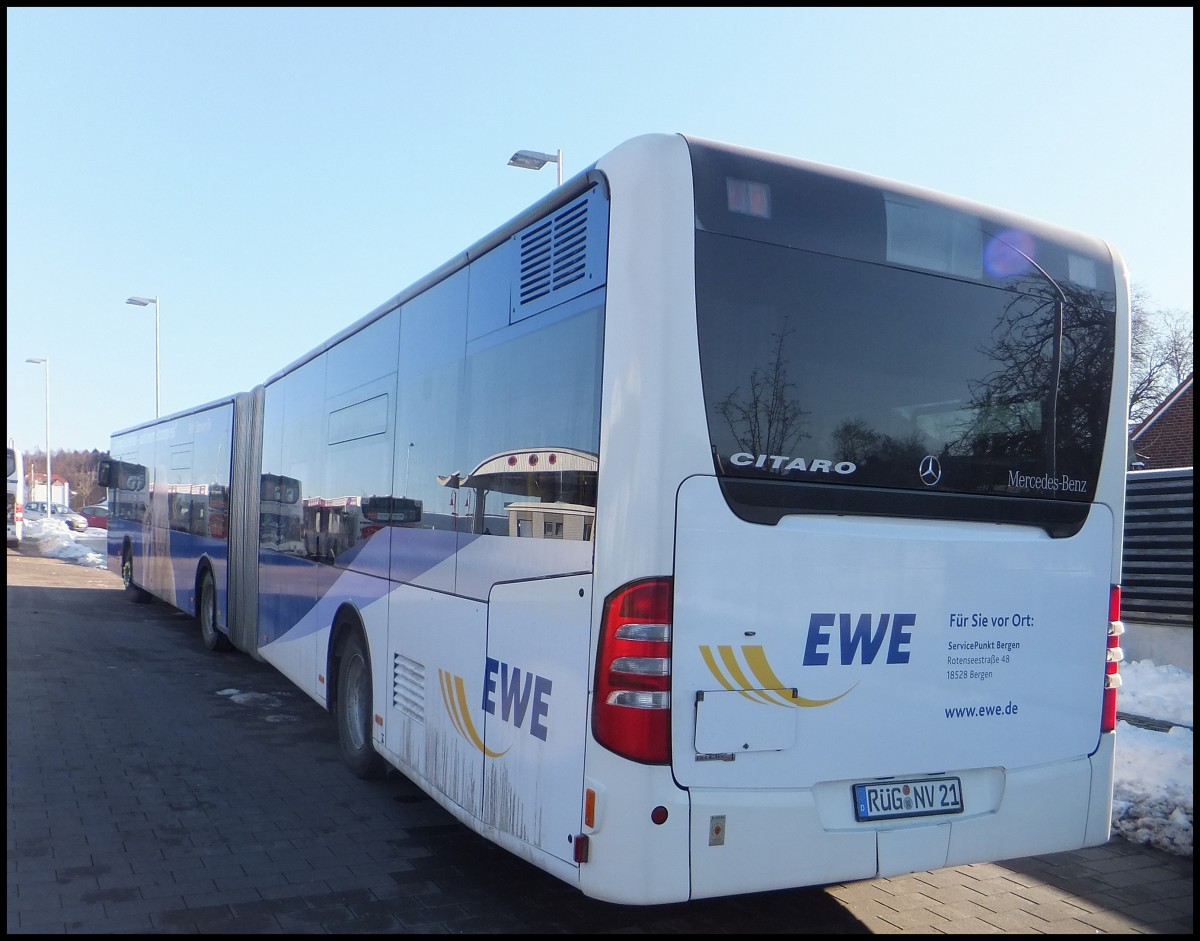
408 687
561 256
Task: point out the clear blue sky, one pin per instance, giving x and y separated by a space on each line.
273 175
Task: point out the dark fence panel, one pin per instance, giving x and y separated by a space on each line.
1156 584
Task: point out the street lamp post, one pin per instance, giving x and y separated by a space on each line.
143 302
535 160
45 361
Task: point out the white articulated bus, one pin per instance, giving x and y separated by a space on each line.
725 522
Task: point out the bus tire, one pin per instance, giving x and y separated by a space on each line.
355 711
132 592
206 614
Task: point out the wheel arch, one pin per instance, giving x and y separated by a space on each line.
347 622
203 565
132 590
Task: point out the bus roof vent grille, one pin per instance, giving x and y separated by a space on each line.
558 258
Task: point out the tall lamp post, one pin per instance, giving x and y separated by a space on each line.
144 302
45 361
535 160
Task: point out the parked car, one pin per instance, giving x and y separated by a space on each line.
96 516
37 510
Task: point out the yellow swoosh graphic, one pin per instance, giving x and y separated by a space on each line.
454 697
743 685
769 688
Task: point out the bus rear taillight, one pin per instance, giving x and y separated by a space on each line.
631 712
1112 678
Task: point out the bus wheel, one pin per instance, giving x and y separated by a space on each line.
354 711
207 615
132 592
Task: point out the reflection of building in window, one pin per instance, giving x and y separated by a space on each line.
280 515
551 520
543 493
389 511
126 483
187 508
331 525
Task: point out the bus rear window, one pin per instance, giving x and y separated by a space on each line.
826 370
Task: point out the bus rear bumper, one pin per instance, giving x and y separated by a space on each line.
754 841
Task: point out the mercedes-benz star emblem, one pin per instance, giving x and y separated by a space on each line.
931 470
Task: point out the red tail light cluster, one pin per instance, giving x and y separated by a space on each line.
631 712
1112 677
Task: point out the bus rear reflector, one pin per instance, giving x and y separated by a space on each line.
631 709
1112 677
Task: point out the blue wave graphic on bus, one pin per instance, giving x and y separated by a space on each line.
395 557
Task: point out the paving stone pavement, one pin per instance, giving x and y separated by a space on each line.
154 787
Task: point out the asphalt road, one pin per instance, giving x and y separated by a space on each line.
154 787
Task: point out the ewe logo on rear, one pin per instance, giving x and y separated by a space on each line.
524 702
867 639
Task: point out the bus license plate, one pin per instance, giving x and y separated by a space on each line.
918 797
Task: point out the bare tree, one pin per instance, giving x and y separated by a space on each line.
77 468
1160 353
1177 336
766 419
